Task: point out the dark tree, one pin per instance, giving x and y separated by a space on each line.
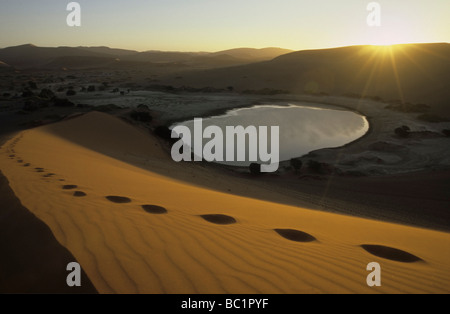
143 107
402 131
30 106
314 166
142 116
163 132
255 169
46 93
62 102
296 164
27 93
32 85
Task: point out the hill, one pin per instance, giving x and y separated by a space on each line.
263 54
31 56
416 73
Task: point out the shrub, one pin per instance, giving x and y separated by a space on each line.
30 106
255 168
91 88
314 166
27 93
296 164
107 108
62 102
402 131
142 116
46 93
71 92
32 85
143 107
163 132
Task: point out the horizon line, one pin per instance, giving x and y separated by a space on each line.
202 51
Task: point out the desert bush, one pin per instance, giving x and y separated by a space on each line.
71 92
91 88
402 131
142 116
32 85
107 108
163 132
255 168
46 93
314 166
62 102
296 164
30 106
27 93
143 107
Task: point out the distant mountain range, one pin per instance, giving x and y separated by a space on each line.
415 73
410 73
30 56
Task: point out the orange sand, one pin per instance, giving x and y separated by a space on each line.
124 249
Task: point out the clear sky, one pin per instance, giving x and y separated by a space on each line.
213 25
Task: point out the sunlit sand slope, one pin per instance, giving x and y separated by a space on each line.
135 231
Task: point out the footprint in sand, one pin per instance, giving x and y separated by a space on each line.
20 161
49 175
295 235
219 219
27 165
39 169
391 253
69 187
79 194
154 209
118 199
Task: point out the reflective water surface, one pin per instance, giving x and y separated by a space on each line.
302 128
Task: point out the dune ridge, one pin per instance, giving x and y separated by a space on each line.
125 249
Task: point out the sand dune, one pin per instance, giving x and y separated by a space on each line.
199 240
